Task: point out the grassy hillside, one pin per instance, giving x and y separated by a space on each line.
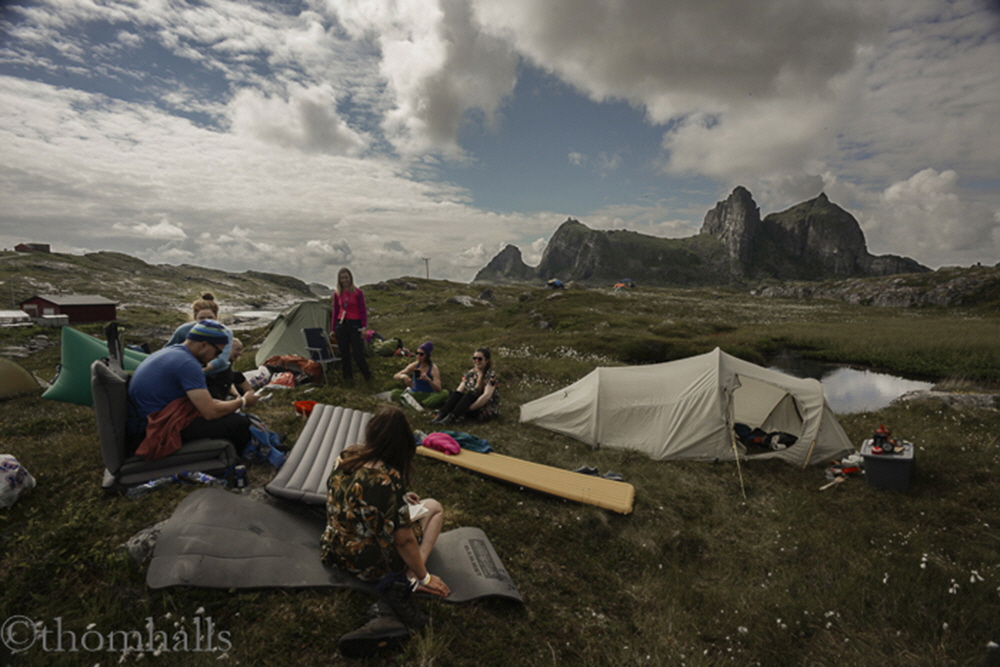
698 574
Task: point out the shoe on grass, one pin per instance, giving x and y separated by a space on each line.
397 591
379 634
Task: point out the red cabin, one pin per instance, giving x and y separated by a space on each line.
77 307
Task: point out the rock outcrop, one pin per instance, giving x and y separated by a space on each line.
945 287
507 266
735 222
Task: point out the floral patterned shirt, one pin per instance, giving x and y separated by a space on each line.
364 508
492 407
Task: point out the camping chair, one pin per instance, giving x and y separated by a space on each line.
109 384
318 346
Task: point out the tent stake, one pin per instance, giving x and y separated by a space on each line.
809 455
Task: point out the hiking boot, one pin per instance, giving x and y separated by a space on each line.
378 608
382 632
399 596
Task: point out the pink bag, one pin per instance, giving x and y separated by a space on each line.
441 442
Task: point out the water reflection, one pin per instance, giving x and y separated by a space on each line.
848 390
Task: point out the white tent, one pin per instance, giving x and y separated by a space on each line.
686 409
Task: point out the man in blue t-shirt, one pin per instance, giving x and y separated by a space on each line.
177 371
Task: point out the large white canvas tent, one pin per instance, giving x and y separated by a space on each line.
686 409
285 336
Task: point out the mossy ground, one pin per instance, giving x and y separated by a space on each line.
698 574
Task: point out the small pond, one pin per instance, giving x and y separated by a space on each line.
848 390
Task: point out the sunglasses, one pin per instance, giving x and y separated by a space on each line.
479 358
218 350
421 354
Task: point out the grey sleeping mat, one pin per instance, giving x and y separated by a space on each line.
218 539
327 432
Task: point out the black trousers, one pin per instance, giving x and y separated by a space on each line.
348 335
233 427
458 404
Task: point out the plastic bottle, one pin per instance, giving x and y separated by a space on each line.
143 489
202 478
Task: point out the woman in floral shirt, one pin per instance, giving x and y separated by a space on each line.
477 394
374 526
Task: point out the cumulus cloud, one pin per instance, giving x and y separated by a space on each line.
438 64
306 120
676 58
532 253
924 217
163 230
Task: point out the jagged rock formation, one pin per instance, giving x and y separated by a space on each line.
735 222
817 239
578 253
507 266
813 240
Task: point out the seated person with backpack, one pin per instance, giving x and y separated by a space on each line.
423 380
172 404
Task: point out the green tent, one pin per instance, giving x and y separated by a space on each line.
286 337
79 351
15 379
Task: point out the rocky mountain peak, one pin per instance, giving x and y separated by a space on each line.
735 222
507 266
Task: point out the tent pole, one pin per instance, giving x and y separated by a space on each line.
809 455
732 439
739 470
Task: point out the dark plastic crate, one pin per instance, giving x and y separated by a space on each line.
888 471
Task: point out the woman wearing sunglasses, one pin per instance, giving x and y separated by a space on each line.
422 379
476 395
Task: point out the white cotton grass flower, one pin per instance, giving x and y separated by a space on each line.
954 587
885 578
975 577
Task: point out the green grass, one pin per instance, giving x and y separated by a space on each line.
696 575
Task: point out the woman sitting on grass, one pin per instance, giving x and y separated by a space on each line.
376 530
423 380
476 395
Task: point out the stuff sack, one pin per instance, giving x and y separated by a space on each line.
441 442
305 370
386 348
15 482
263 445
259 377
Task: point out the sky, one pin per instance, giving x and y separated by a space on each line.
420 137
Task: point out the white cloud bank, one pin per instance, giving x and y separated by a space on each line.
297 140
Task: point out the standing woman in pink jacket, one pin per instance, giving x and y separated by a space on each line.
350 316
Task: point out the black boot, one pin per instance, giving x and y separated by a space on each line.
397 591
381 632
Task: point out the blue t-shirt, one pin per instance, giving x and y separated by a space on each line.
163 377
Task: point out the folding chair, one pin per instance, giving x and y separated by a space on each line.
318 346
